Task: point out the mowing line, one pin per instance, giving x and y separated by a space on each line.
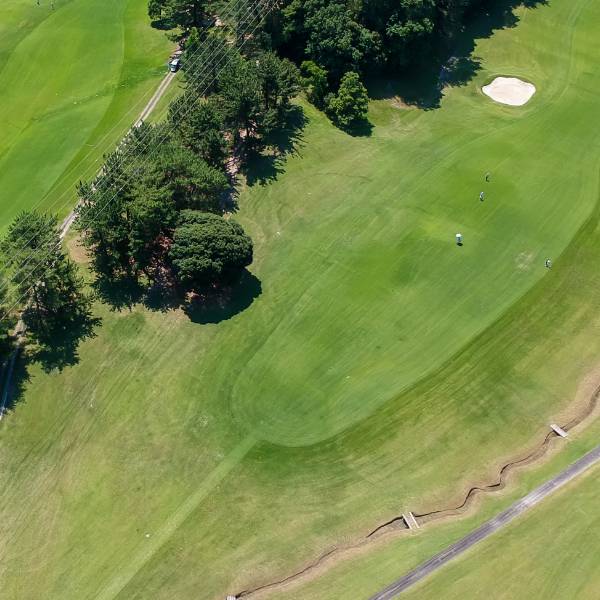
159 538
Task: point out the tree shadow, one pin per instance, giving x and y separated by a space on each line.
118 293
262 167
220 305
162 24
57 347
360 129
19 378
452 66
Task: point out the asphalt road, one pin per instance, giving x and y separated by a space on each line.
490 527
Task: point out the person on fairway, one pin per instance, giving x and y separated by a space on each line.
548 263
481 196
487 176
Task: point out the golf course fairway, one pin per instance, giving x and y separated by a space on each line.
73 78
371 366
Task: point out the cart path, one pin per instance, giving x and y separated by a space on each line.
160 91
7 372
491 526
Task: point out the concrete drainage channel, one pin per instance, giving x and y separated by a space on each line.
411 521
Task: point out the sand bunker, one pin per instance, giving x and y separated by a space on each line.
509 90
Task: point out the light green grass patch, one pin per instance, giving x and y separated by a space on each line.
73 81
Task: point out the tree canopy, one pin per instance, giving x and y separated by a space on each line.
207 249
350 105
47 282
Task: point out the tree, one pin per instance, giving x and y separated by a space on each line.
208 250
279 83
187 180
7 321
185 14
351 104
199 126
330 36
102 217
314 81
239 91
46 280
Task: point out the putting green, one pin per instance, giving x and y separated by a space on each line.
72 81
382 368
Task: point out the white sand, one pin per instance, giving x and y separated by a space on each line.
509 90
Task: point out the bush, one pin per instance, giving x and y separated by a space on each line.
208 250
351 104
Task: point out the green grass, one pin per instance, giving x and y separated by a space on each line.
548 553
528 559
381 369
72 80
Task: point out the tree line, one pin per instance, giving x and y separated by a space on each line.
336 43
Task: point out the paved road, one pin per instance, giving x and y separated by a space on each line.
8 370
489 527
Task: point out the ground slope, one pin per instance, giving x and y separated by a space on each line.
378 368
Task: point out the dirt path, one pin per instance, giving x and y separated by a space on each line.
7 372
491 526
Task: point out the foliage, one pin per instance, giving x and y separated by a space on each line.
314 81
207 249
350 106
49 285
185 14
199 127
341 36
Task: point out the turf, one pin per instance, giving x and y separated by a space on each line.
552 553
548 553
72 80
378 367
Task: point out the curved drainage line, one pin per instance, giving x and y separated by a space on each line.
435 514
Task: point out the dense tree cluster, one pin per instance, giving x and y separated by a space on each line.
42 278
157 206
183 14
353 35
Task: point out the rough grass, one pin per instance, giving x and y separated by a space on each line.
380 369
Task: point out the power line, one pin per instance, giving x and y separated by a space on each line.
197 57
246 36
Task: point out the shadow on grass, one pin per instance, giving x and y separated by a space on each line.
163 24
57 346
264 166
19 377
162 295
223 304
453 66
360 129
119 293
